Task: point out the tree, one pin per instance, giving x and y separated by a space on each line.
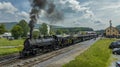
2 28
43 29
59 31
52 32
36 34
17 31
25 27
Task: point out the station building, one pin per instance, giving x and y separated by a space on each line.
112 32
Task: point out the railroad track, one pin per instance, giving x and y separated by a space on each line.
8 58
29 62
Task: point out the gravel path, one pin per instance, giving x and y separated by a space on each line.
9 46
64 58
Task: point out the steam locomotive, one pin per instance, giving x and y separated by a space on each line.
50 43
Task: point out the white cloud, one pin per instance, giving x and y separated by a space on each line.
8 11
7 7
75 7
89 14
23 14
105 11
74 4
111 6
87 3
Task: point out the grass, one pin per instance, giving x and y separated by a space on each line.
98 55
5 42
6 51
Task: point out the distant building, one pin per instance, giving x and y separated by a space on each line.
35 29
87 32
112 32
6 35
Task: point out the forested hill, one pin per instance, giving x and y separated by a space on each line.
73 29
9 26
77 29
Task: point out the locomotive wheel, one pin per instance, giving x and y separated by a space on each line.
24 54
56 47
34 51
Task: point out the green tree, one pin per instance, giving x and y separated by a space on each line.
65 31
43 29
2 28
52 32
36 34
17 31
25 27
59 31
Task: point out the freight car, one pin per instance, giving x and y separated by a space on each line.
46 44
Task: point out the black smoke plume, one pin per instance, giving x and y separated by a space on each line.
36 5
48 6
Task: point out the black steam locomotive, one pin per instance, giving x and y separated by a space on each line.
50 43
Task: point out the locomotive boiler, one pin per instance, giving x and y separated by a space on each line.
40 45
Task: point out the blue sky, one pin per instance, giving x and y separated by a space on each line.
77 13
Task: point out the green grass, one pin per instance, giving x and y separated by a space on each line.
6 51
5 42
98 55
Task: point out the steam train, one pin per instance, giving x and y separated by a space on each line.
50 43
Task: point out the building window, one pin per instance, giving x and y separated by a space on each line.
108 31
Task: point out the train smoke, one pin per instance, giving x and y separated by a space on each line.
48 29
48 6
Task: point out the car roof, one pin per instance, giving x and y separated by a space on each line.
114 42
118 62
